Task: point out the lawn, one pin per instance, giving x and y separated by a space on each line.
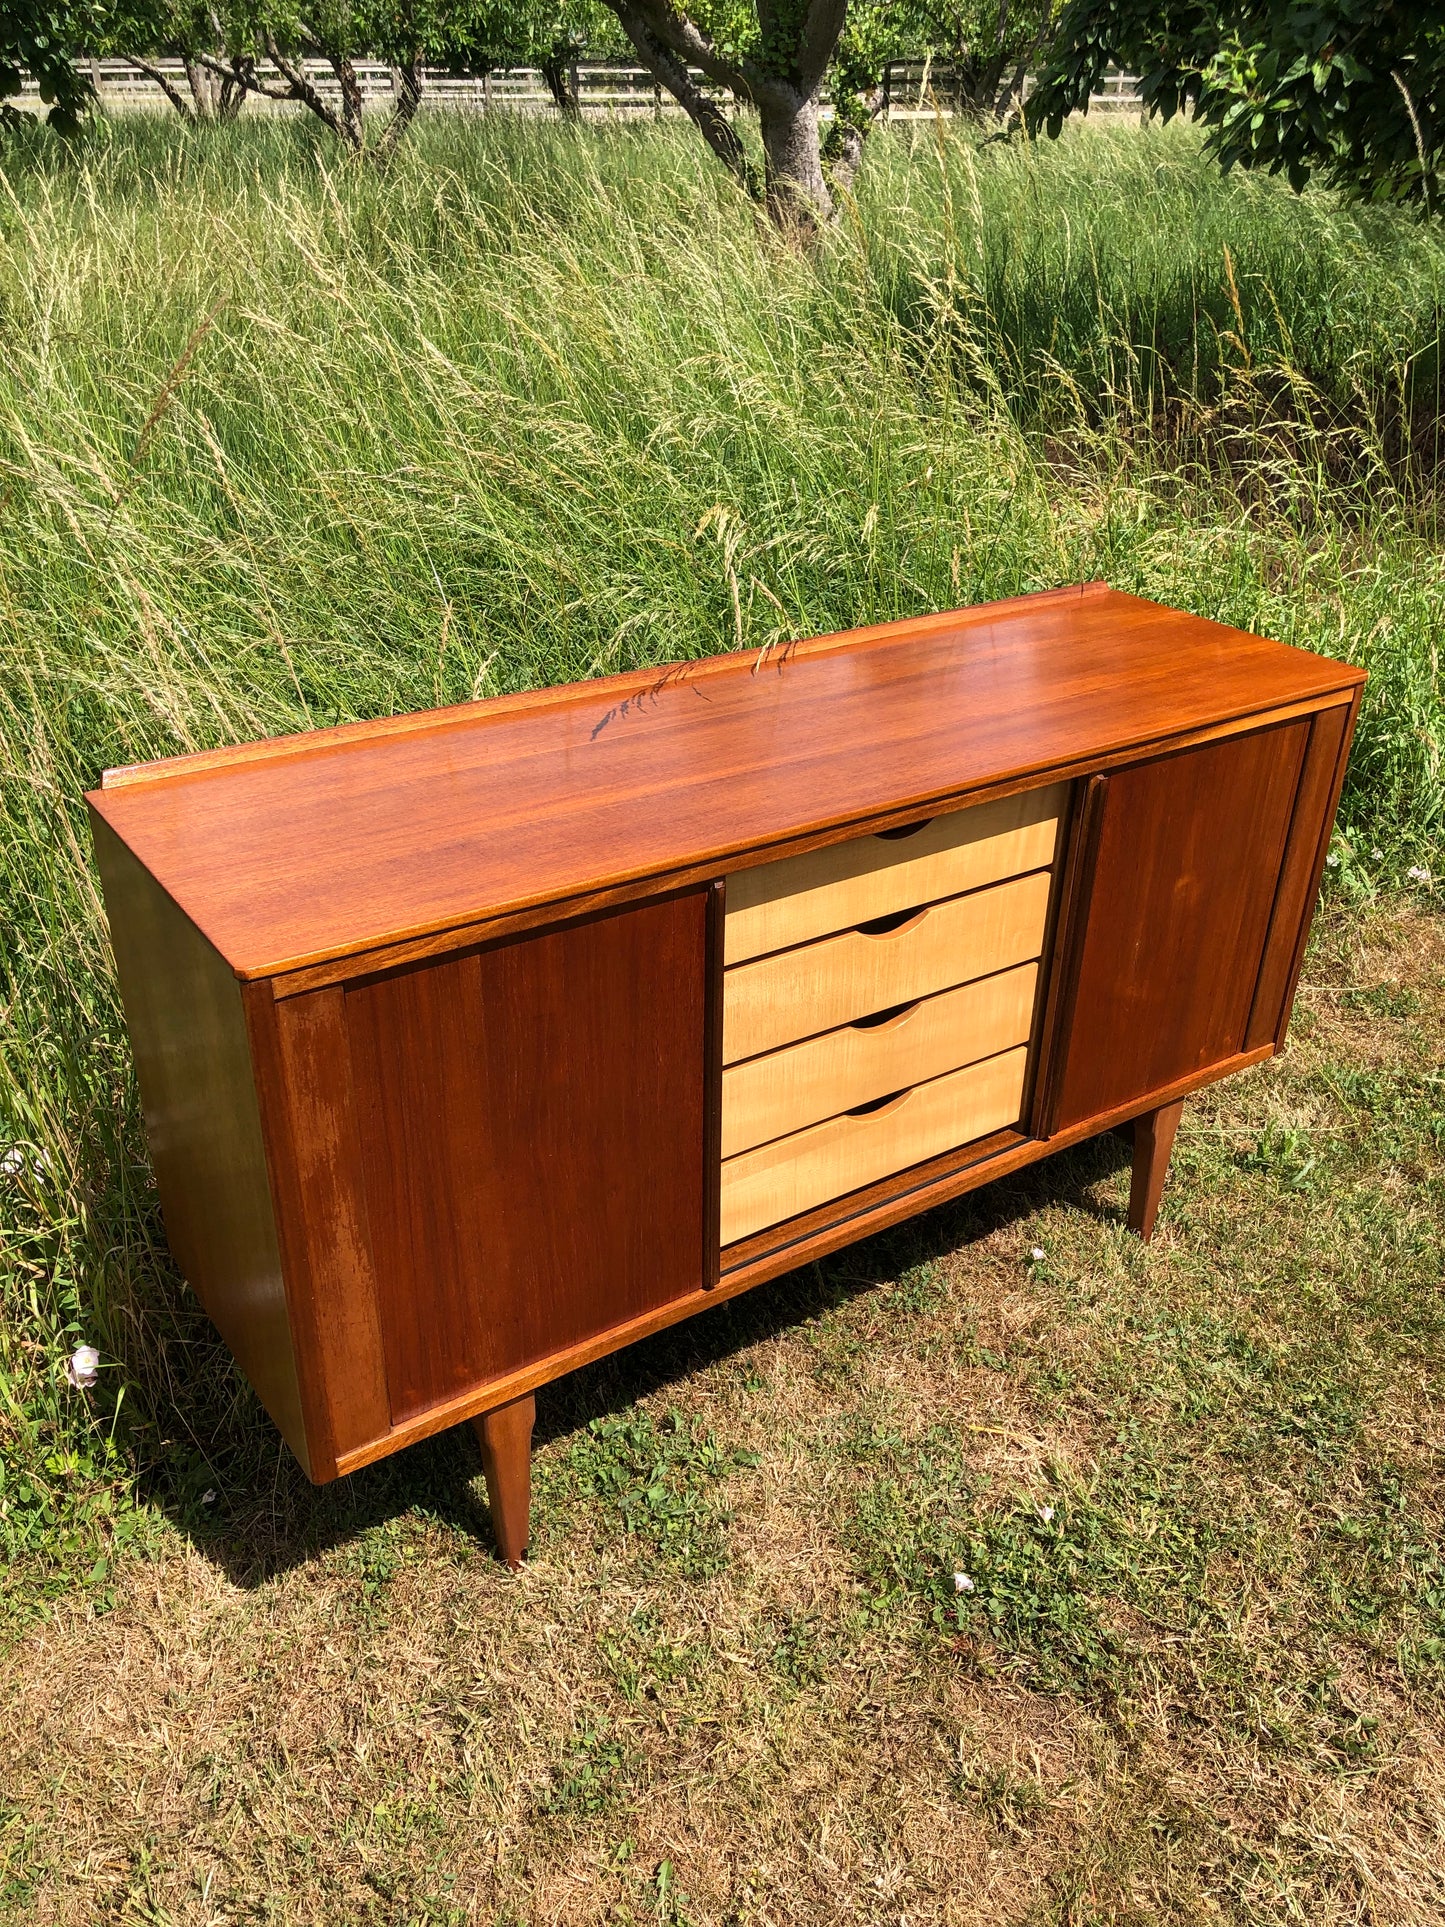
282 444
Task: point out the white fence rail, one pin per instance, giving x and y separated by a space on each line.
913 89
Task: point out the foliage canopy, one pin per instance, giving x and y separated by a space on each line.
1351 90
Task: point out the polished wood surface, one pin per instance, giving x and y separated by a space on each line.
308 1107
1184 874
845 884
197 1086
324 846
531 1120
780 999
505 1436
712 1074
1153 1142
770 1096
793 1174
1316 801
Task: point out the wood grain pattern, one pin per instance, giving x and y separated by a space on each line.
303 1069
712 1150
842 885
505 1436
1153 1141
1184 879
1316 800
793 1174
532 1127
388 956
193 1064
1066 948
410 831
781 1092
793 994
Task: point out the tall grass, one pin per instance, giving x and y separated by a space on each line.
282 444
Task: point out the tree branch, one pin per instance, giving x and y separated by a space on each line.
163 81
670 69
244 75
681 37
818 42
302 90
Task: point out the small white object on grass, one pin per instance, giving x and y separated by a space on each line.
1417 874
208 1497
962 1582
83 1367
16 1161
1046 1513
1037 1254
1333 859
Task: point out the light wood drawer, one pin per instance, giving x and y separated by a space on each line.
767 1097
796 993
793 1174
846 884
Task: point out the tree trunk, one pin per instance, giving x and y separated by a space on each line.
406 86
798 197
351 108
561 76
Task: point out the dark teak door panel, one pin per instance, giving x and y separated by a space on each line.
532 1130
1186 860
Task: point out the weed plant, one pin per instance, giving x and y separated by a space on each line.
283 444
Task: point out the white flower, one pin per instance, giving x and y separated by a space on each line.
1037 1254
1046 1513
1417 874
962 1582
17 1162
1377 856
83 1367
1333 859
208 1497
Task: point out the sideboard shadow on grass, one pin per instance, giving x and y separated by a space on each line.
279 1521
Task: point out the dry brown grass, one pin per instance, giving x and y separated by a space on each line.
729 1711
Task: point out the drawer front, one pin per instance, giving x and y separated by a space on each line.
837 888
797 993
783 1091
793 1174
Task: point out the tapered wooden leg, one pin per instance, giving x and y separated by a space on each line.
506 1438
1153 1141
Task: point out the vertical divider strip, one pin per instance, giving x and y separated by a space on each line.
1067 950
712 1086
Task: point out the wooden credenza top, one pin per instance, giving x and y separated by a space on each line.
312 848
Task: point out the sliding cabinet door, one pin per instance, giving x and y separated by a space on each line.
1180 876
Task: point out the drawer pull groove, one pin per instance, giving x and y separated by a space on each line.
792 1174
876 1106
815 987
903 831
801 898
784 1091
886 1019
895 921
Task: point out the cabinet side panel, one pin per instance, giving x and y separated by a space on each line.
1318 797
532 1128
304 1078
1185 876
187 1029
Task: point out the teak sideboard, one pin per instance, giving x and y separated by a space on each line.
476 1044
